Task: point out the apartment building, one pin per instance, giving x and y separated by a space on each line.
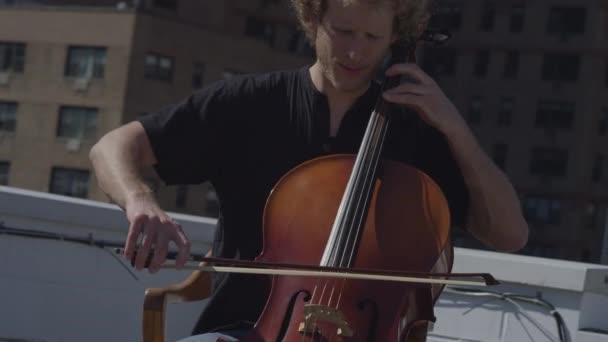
531 78
82 68
535 78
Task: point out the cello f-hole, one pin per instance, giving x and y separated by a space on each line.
289 311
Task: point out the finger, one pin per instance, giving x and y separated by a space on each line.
401 98
161 248
150 231
134 230
409 88
412 70
183 245
414 102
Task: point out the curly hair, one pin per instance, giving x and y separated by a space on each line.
411 18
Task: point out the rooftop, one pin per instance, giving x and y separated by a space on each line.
80 292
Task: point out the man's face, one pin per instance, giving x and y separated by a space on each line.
351 41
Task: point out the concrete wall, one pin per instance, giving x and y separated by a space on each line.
53 290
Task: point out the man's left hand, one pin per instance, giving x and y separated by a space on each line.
426 98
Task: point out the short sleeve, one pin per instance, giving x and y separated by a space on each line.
188 137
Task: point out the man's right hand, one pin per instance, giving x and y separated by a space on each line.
156 230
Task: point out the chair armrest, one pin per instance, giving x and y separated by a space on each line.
196 287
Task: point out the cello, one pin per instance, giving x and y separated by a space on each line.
362 211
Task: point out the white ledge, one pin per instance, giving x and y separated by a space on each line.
536 271
83 214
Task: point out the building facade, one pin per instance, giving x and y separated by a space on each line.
87 67
536 76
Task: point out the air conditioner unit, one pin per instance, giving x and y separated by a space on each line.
72 145
81 84
5 77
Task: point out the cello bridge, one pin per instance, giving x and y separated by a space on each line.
321 313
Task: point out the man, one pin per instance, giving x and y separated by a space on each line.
245 133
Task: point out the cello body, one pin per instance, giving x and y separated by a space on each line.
406 228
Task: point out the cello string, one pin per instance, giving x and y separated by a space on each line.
356 187
360 193
366 189
338 249
363 190
357 195
371 160
340 294
378 141
341 249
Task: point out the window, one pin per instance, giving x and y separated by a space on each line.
198 75
181 196
586 255
439 61
499 155
259 29
475 109
540 250
482 61
77 123
488 11
511 64
299 45
159 67
539 209
8 116
597 172
12 57
505 111
548 162
602 126
566 20
555 114
212 204
5 168
86 62
517 18
167 4
591 215
560 67
606 74
69 182
448 15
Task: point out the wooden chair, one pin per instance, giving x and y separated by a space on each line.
194 288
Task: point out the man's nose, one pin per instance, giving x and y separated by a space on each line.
355 50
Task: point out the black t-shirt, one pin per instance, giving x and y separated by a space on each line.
244 133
